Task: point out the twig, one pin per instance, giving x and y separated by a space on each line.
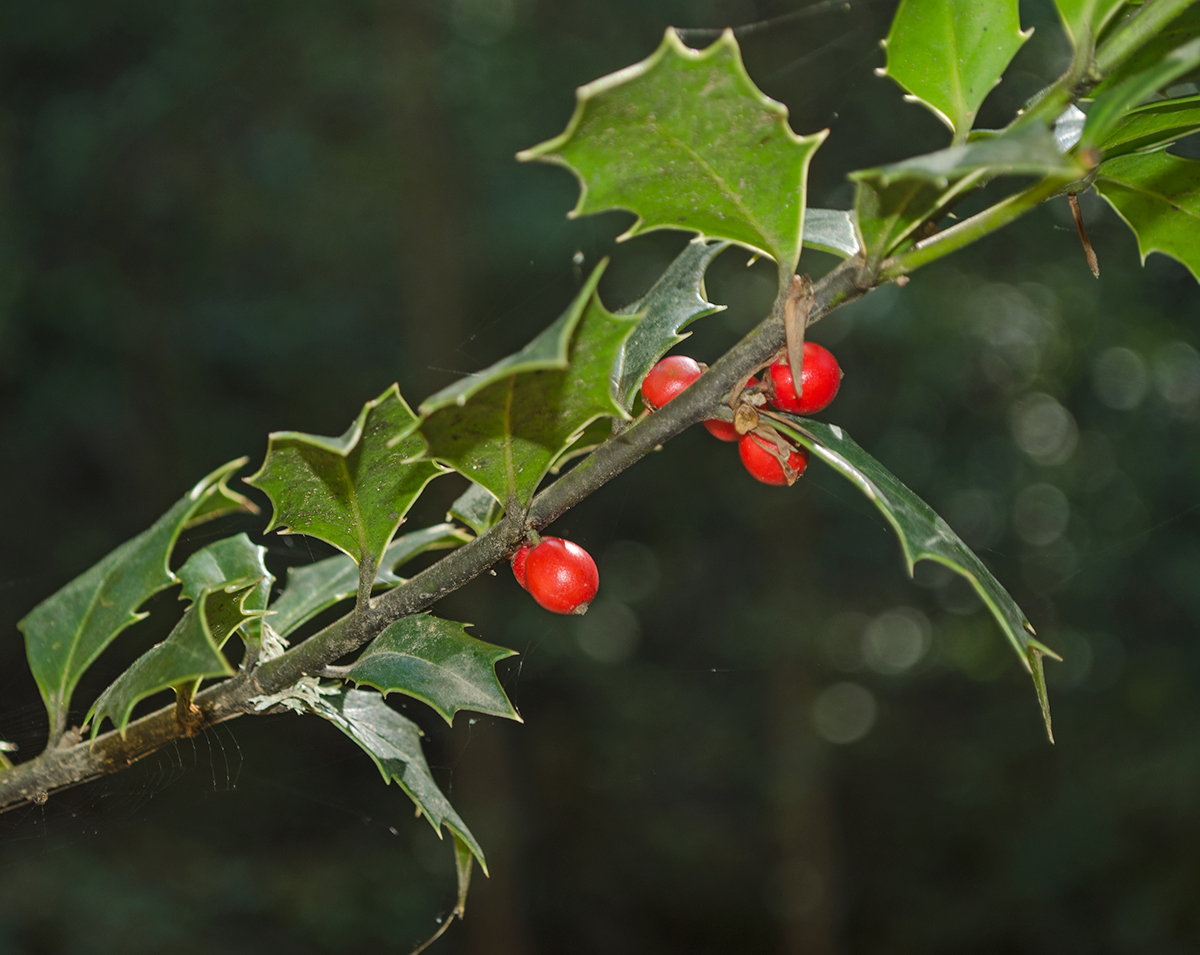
1093 263
795 321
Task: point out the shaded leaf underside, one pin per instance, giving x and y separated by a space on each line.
476 507
674 302
830 230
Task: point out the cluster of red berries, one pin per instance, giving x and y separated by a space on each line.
768 456
562 577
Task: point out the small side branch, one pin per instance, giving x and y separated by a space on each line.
1092 261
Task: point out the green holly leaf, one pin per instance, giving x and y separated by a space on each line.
1085 19
1180 31
394 744
923 534
438 662
673 302
887 216
315 587
353 491
505 426
1152 126
1112 107
831 230
949 54
685 140
477 508
1026 151
66 632
1158 196
892 202
190 653
218 564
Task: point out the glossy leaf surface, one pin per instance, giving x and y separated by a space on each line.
673 302
1152 126
505 426
438 662
394 743
685 140
313 588
1158 196
923 534
949 54
65 633
1112 106
1084 19
353 491
191 652
220 563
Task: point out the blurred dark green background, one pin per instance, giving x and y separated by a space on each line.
222 218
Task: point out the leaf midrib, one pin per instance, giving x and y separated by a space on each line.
1152 195
955 75
716 177
403 655
77 638
510 467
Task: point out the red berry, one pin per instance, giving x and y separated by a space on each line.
721 430
724 430
668 378
761 461
561 576
518 564
821 378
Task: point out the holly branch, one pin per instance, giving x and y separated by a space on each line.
683 140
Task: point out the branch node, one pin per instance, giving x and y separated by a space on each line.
187 714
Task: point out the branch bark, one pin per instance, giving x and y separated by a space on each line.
74 761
